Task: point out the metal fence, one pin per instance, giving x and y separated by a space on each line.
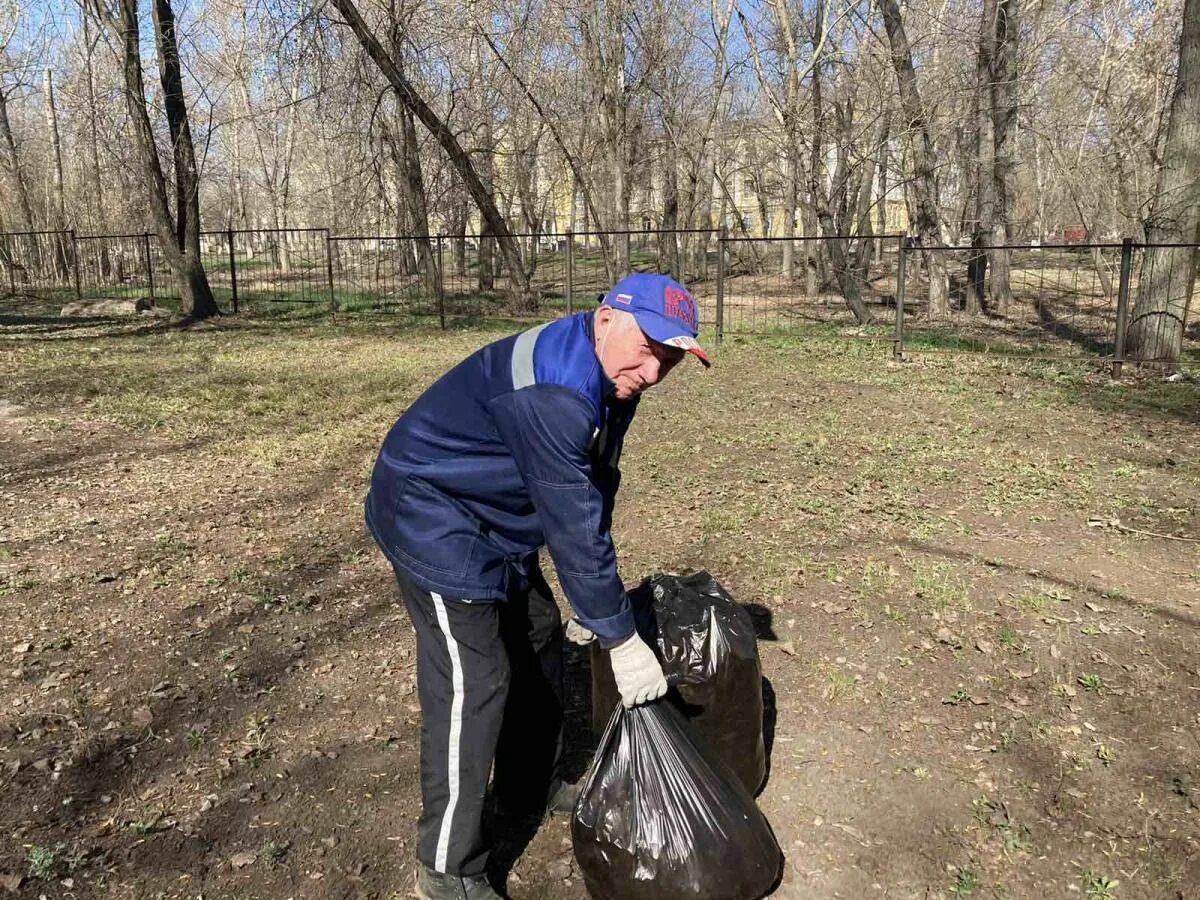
1065 300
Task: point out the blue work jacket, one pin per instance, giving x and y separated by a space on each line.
515 448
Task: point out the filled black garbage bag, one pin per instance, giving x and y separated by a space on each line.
659 818
709 649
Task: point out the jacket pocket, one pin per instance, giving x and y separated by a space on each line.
571 527
435 531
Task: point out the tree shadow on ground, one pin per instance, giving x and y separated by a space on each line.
1067 329
1099 591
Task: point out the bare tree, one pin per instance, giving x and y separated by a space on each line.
1004 102
57 218
924 182
1168 275
178 230
480 192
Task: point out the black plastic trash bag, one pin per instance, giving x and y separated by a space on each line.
709 649
659 818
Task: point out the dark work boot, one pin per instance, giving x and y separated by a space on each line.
433 885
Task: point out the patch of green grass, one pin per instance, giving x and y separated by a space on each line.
1099 887
14 585
842 685
1035 601
256 744
1009 639
147 826
965 883
168 540
960 695
1092 683
273 853
994 815
877 578
937 584
44 861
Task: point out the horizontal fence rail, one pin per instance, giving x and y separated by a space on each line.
1063 300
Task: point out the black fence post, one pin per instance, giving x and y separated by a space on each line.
440 287
75 266
570 272
329 274
149 265
898 341
1123 305
233 295
721 285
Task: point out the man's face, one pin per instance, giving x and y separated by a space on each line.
632 361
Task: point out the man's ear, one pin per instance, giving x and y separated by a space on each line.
604 315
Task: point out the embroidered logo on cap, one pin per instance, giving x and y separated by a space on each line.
680 305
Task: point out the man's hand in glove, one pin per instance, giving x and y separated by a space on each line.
639 676
577 634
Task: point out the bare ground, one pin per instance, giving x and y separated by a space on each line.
981 580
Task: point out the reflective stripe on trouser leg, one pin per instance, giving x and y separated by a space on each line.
462 682
452 753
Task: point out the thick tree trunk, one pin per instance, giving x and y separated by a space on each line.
983 162
834 215
95 182
178 234
412 211
669 239
1005 98
12 169
881 197
1168 276
480 193
58 205
198 301
31 259
486 268
923 187
814 264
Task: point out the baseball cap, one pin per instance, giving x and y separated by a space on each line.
663 308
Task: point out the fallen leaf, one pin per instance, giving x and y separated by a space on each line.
10 882
142 716
107 827
241 860
22 647
1054 653
1094 608
788 647
983 646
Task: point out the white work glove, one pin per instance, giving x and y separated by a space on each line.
639 676
578 634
